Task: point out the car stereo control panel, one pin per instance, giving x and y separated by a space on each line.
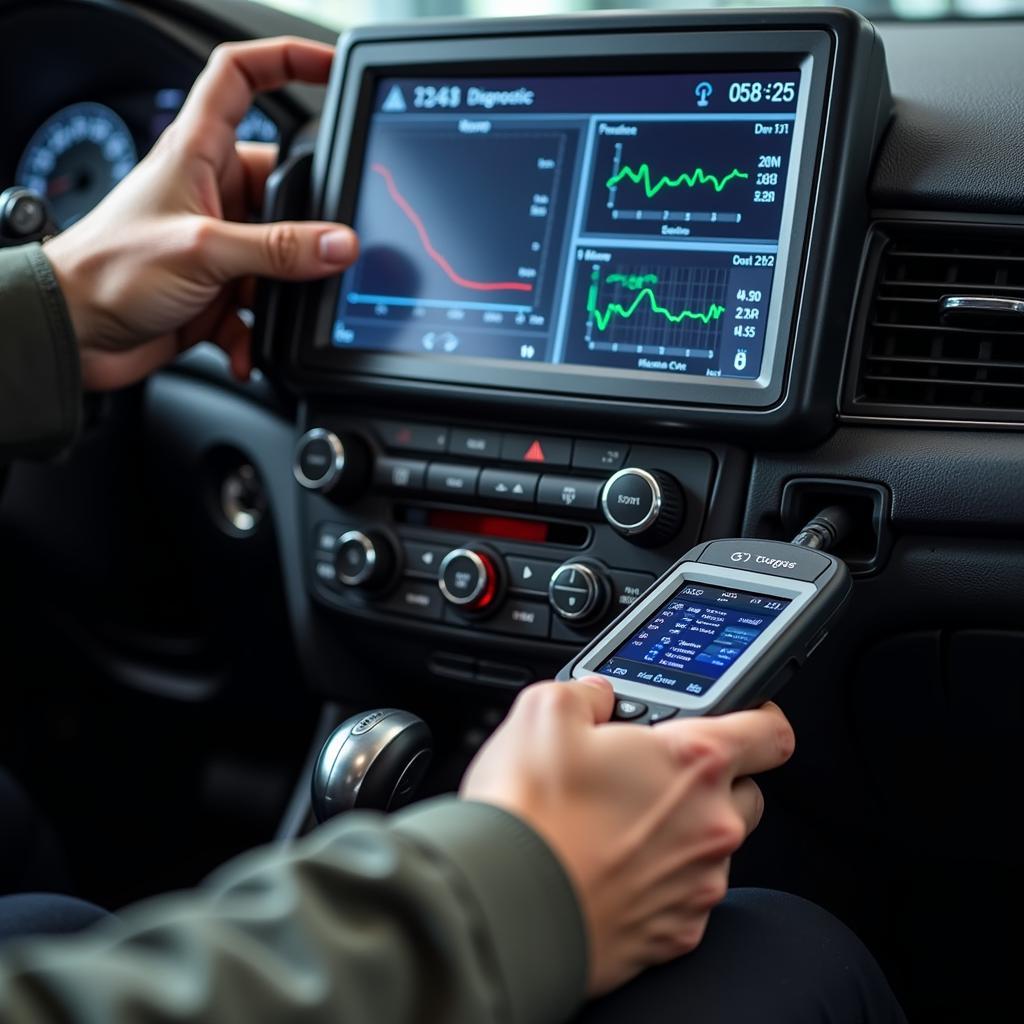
486 532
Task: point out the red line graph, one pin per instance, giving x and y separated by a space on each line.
414 218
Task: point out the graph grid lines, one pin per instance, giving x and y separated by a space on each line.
655 310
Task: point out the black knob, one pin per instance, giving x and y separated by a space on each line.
646 505
23 215
579 592
329 463
365 560
374 760
470 579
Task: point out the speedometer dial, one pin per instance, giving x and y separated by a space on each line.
75 158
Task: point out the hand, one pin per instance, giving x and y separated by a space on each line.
167 259
644 819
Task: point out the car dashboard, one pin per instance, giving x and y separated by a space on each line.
629 282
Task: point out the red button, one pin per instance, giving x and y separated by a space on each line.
551 451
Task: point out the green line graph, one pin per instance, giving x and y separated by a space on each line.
642 176
632 282
602 317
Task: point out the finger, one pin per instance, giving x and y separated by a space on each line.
292 250
258 160
589 700
596 697
237 71
749 802
235 338
245 292
749 741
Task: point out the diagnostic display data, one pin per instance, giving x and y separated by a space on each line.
699 633
629 222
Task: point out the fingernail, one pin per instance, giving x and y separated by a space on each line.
338 246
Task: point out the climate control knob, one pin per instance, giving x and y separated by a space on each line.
364 560
646 505
579 592
331 464
470 579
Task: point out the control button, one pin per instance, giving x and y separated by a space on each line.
773 558
412 437
477 444
627 710
400 474
578 591
421 600
423 559
547 451
601 455
468 579
319 459
327 536
325 571
445 478
629 586
522 618
508 485
644 505
364 559
326 462
530 575
660 712
569 492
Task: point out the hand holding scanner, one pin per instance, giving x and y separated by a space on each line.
723 630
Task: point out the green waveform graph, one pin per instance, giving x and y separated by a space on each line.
676 309
642 176
603 317
632 282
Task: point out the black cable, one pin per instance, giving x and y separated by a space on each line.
827 529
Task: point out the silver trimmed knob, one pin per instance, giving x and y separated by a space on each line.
326 463
469 579
578 592
644 505
365 560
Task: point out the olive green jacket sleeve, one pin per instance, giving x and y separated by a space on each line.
448 913
40 378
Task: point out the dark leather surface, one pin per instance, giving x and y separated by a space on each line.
956 141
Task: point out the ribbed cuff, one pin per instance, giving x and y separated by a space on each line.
526 900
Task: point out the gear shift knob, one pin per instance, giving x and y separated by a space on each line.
374 760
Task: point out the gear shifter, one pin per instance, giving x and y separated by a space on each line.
374 760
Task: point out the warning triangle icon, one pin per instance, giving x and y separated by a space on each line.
535 453
395 102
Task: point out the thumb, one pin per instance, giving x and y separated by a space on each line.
595 696
293 250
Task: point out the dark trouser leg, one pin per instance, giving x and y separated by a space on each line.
45 914
30 859
768 958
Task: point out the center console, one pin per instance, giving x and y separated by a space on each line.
601 259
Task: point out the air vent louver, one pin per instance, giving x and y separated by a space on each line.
910 362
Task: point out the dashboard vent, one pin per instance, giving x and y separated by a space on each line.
911 358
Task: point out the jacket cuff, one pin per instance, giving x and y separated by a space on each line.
40 373
530 913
